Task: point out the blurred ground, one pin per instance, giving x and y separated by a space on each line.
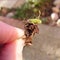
46 45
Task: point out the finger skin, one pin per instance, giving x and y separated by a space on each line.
9 33
12 51
13 44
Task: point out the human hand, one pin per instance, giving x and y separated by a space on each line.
11 43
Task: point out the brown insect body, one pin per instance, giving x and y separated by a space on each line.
30 30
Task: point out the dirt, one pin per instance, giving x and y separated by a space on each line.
46 45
